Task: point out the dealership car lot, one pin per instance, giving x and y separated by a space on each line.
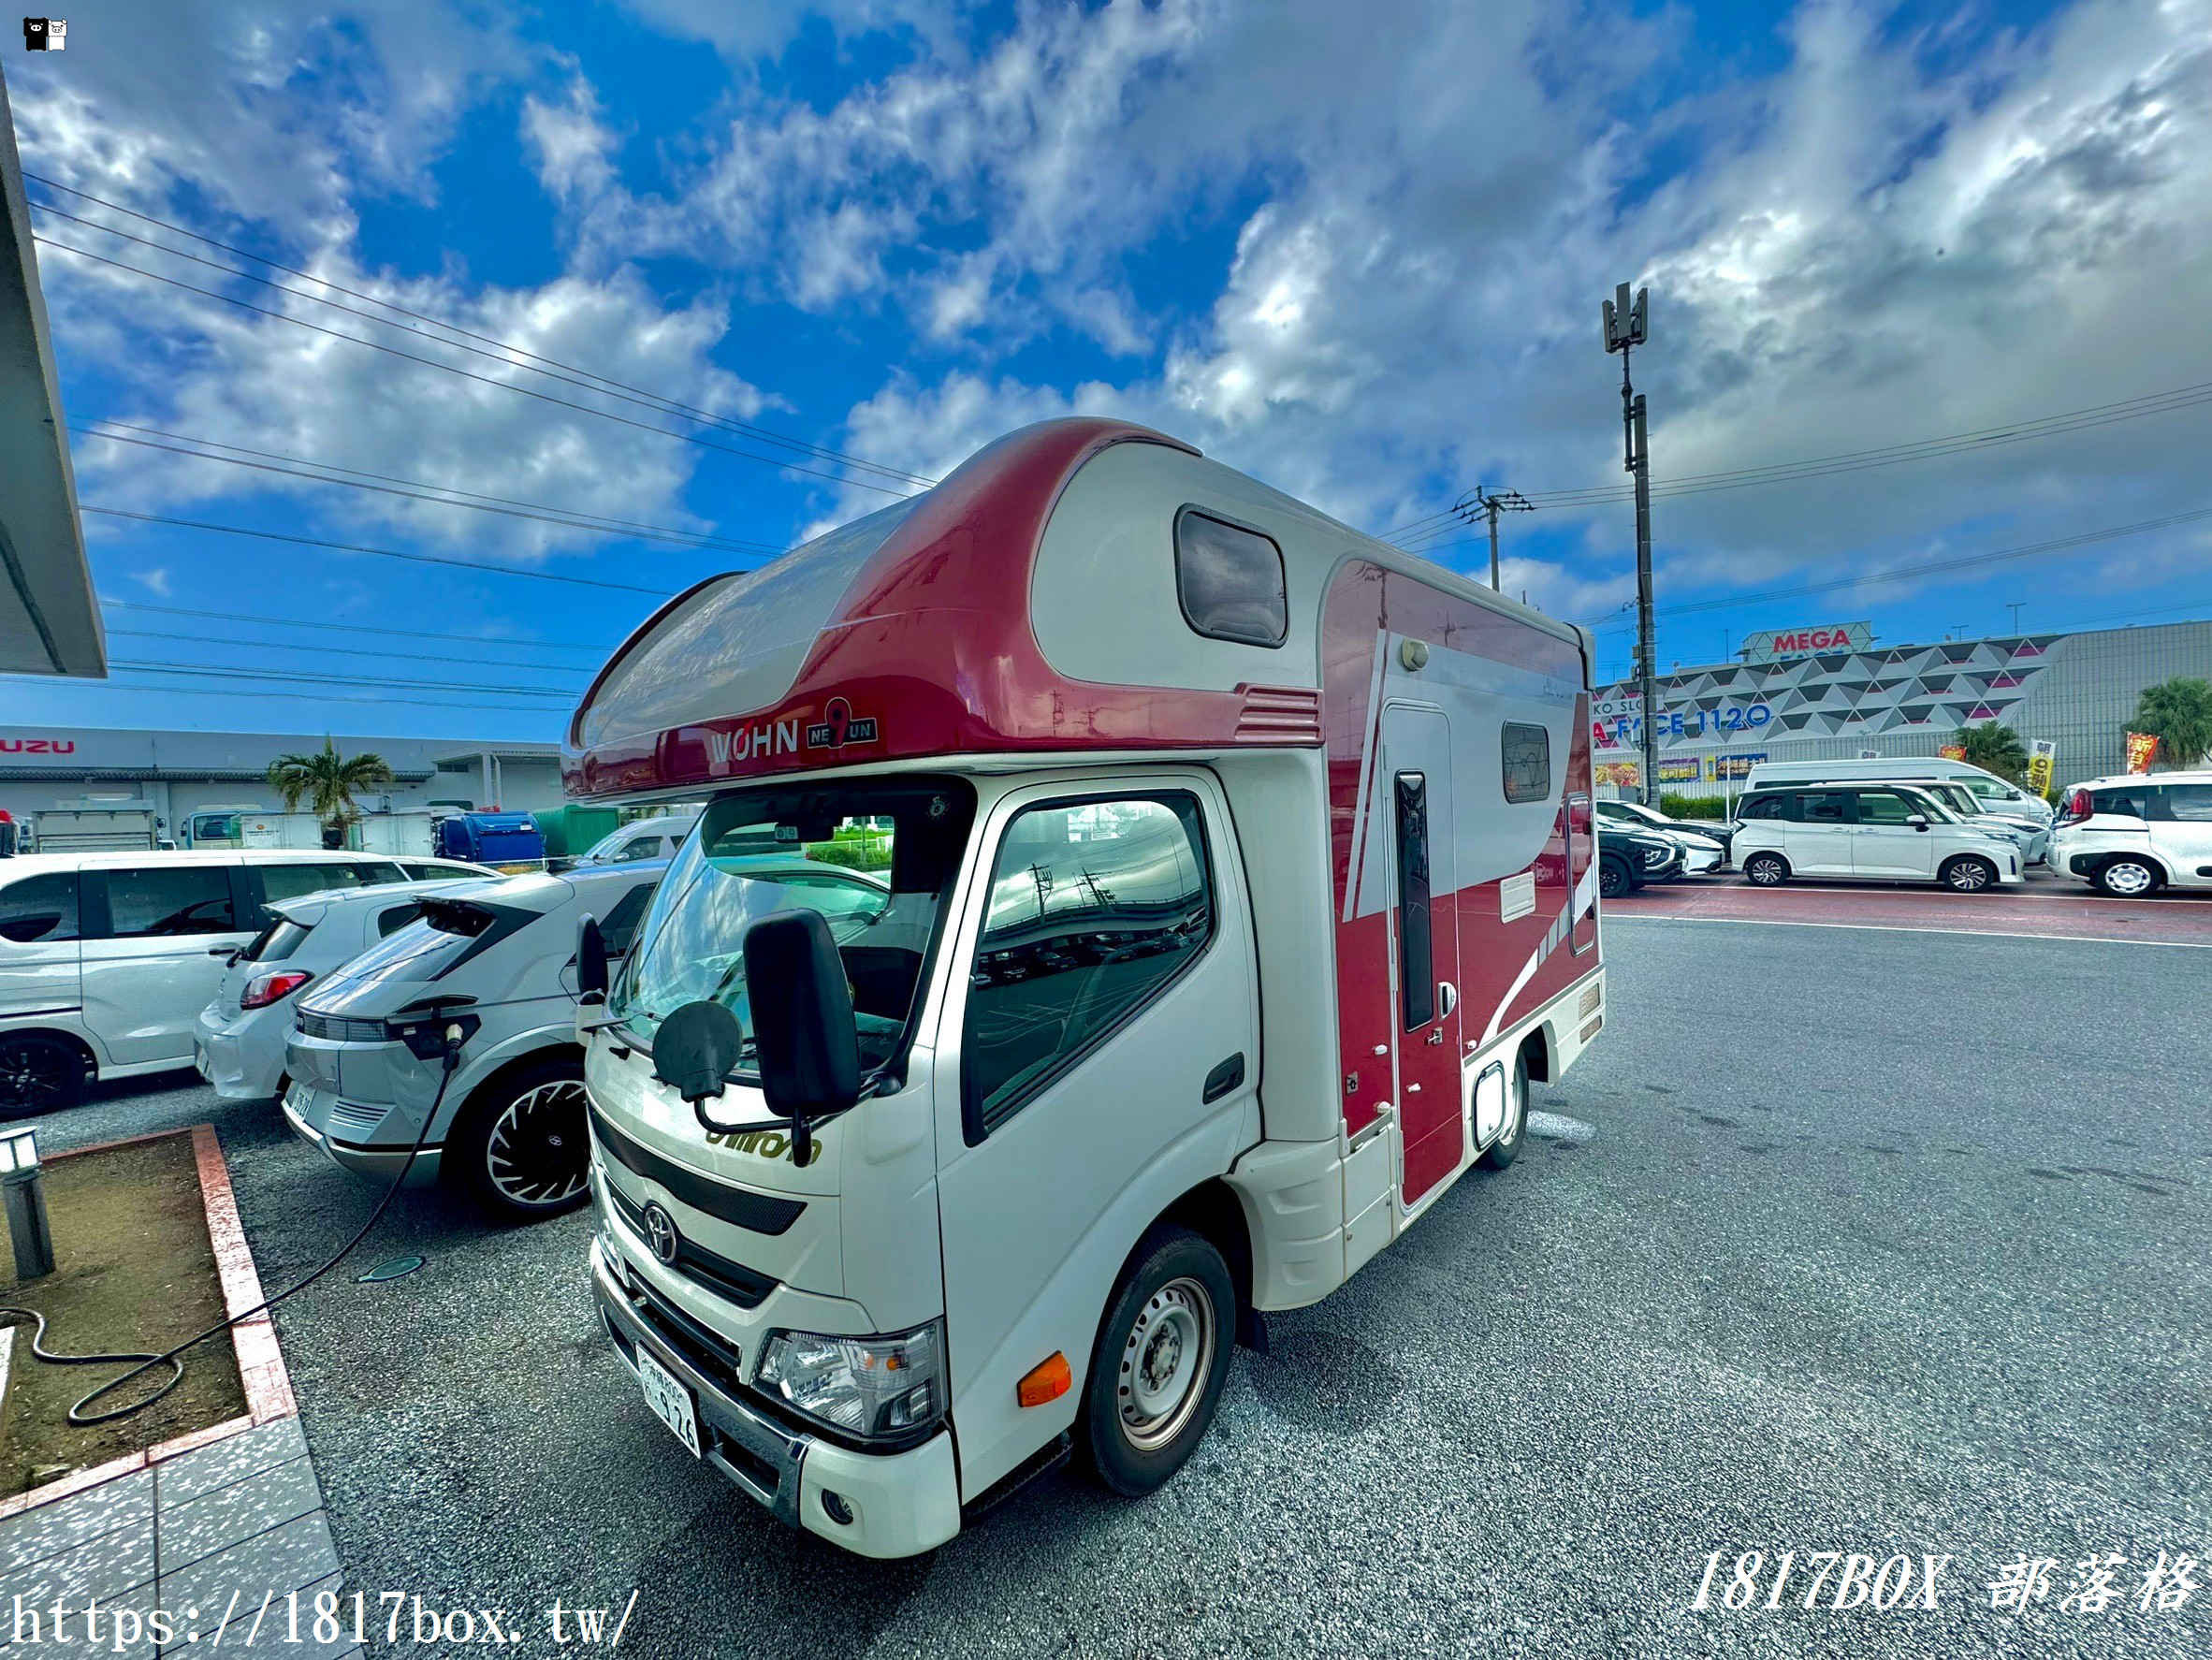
1848 1240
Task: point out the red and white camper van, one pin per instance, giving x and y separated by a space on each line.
1139 897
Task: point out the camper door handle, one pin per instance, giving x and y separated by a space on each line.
1447 997
1224 1077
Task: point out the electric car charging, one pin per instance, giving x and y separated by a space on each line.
1230 877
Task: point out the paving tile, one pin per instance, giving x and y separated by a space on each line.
108 1566
197 1636
187 1477
298 1553
50 1529
249 1505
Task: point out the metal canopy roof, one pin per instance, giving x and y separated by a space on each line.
50 620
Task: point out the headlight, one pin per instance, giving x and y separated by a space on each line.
1655 855
864 1386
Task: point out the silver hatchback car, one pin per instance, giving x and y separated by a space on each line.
499 961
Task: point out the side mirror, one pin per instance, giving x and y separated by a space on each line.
591 972
808 1048
1919 820
695 1050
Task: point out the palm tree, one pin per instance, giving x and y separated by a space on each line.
328 781
2179 713
1995 748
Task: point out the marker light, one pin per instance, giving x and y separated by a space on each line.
1048 1380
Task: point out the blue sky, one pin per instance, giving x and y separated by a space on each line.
1355 251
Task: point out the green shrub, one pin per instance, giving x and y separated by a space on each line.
1692 806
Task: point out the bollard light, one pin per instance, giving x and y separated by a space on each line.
22 1190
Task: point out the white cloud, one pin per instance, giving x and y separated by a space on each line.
155 581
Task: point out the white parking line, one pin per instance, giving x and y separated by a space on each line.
1552 1127
1769 921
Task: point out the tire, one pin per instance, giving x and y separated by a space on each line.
1614 879
1507 1148
1968 873
2128 878
1161 1358
39 1073
520 1147
1766 870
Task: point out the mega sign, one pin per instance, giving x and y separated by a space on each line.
1770 645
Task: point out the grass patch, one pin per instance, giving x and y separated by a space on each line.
134 1270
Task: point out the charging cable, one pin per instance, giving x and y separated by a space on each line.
451 1040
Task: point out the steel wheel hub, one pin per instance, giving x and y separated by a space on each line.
2128 878
1165 1360
535 1154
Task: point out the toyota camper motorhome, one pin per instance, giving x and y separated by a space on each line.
1236 877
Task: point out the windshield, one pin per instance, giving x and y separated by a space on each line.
1990 789
875 859
1954 796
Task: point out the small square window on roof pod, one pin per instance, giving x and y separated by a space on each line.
1230 581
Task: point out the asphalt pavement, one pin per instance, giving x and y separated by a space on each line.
1837 1240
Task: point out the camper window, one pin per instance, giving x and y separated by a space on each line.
1527 753
1417 979
1230 581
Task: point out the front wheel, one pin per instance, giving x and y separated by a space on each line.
1766 870
2126 879
1968 874
1161 1359
38 1075
1613 880
1507 1148
521 1147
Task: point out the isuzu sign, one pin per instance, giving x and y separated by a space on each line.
12 744
1770 645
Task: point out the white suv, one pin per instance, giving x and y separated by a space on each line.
2128 836
1866 832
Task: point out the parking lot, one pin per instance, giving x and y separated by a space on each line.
1843 1238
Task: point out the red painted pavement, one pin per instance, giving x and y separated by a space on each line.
2044 908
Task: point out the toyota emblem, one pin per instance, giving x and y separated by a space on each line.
660 1232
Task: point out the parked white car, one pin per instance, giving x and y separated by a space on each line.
1704 846
1866 832
642 841
511 1128
238 1042
2131 835
107 958
1995 793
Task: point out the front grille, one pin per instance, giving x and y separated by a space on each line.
702 1267
337 1029
712 1354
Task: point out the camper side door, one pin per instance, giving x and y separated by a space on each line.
1096 1059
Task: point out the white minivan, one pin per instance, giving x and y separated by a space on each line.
107 958
1866 832
1996 794
2131 835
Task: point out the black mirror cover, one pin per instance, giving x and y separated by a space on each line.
696 1049
592 970
806 1043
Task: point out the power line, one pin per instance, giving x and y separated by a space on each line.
604 415
350 628
419 558
555 515
652 399
203 672
150 634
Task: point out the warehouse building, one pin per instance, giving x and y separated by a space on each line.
1788 700
175 774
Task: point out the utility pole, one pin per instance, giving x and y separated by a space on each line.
1484 502
1624 323
2014 607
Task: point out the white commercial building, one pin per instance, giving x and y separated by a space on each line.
178 773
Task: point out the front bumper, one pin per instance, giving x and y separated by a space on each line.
901 1503
316 1117
244 1057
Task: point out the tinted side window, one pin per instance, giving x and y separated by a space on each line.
398 917
1230 581
1094 907
1827 806
1416 957
1527 751
2188 803
39 908
149 901
1885 807
619 925
2122 803
288 881
1767 807
640 847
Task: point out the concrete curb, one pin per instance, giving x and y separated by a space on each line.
260 1363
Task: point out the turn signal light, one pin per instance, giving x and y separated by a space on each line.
1047 1381
272 988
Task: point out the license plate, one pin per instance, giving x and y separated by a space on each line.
672 1403
199 1064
